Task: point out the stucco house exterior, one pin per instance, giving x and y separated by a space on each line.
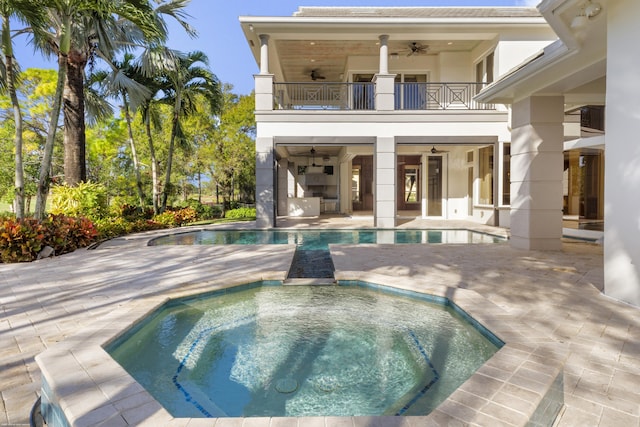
494 115
372 110
594 62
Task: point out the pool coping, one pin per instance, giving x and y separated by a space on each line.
91 388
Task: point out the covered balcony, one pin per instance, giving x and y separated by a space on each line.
361 96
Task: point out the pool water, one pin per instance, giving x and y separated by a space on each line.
302 351
320 239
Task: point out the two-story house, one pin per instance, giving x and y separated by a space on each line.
371 110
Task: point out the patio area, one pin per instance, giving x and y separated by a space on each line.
554 293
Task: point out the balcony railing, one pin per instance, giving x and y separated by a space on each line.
361 96
439 96
324 96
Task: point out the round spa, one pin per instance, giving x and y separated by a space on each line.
257 350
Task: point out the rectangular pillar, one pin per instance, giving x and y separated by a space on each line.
265 183
384 171
285 185
263 91
537 139
385 92
622 156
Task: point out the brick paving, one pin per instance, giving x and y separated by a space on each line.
554 293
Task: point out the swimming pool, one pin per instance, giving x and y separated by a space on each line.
303 351
320 239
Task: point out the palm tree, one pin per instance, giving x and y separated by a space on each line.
27 11
82 31
78 30
124 83
137 90
184 79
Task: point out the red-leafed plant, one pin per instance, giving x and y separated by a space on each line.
20 239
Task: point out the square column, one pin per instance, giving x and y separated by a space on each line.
537 139
622 156
384 172
265 183
263 92
385 87
285 186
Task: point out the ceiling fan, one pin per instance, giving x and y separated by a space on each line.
315 75
416 48
434 150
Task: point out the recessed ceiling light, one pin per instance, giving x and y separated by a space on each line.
312 43
312 60
450 43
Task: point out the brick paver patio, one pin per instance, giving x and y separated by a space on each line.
555 293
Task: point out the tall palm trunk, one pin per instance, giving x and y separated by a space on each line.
155 181
17 116
45 167
134 153
75 168
172 141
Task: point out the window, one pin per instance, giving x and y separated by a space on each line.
484 69
411 184
355 184
506 175
485 160
410 91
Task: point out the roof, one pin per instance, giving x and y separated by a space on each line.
418 12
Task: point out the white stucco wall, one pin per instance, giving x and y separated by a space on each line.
455 67
622 160
509 54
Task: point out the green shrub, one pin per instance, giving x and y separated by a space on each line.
20 240
167 218
111 227
210 212
204 212
240 213
177 217
87 199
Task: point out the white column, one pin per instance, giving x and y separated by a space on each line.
384 169
284 191
384 54
424 182
536 173
384 81
265 185
346 175
264 81
622 156
264 53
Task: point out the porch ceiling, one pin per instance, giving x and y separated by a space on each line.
298 58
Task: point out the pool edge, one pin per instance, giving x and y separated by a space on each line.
89 387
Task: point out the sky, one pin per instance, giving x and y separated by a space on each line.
221 39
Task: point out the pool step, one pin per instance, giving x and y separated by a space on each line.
309 282
311 264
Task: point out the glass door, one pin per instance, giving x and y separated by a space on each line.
434 186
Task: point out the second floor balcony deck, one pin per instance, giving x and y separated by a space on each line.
361 96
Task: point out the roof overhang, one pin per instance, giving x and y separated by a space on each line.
573 66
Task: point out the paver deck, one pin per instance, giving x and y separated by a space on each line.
555 293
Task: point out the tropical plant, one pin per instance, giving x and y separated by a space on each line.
184 78
232 150
81 32
27 11
122 83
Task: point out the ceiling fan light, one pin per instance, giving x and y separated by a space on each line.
592 9
579 21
